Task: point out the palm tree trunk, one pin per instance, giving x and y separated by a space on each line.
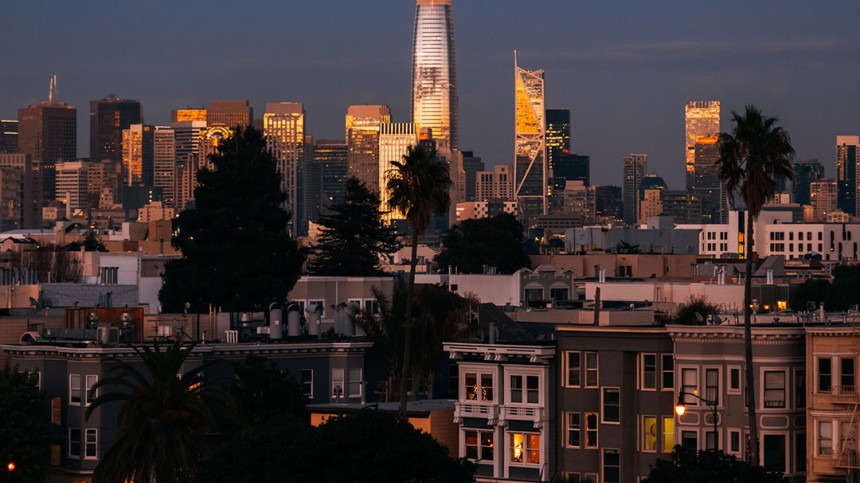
407 325
748 357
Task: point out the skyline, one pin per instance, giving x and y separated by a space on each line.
800 67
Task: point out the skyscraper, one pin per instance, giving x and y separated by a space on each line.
16 198
568 167
188 114
557 136
137 150
634 172
108 117
229 114
471 165
326 176
187 146
530 171
8 136
702 119
806 171
47 131
434 73
72 185
284 127
824 198
394 139
707 186
847 159
362 137
164 164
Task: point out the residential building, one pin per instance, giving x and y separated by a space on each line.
530 169
847 160
823 195
434 72
108 118
229 114
806 171
363 124
8 136
72 185
394 139
284 128
635 167
701 119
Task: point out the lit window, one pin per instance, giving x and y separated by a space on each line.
649 433
479 445
668 434
525 448
479 386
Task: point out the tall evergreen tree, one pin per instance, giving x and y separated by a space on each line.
25 432
236 250
353 236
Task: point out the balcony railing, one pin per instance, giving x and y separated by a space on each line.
845 394
535 414
473 410
848 459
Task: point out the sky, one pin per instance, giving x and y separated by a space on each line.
625 69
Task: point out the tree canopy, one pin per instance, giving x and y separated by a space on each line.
708 467
25 432
353 236
839 294
237 252
495 242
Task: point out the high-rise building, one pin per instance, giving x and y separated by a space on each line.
557 137
362 137
394 139
164 164
284 127
137 152
495 185
608 207
702 119
806 171
8 136
108 118
650 197
229 114
72 185
471 165
707 186
530 171
16 202
188 114
434 72
187 145
634 172
824 198
104 182
326 176
847 159
210 139
568 167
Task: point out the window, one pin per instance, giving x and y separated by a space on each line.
649 433
668 434
825 437
337 382
91 446
689 385
308 383
611 398
735 441
649 371
591 377
91 380
371 306
774 452
74 442
525 448
799 452
558 294
479 386
573 369
590 430
317 306
590 477
668 372
689 439
710 440
734 380
531 389
846 375
354 383
75 392
800 389
774 389
825 377
479 445
611 466
56 410
534 294
712 385
573 430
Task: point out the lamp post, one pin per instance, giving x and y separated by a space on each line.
681 408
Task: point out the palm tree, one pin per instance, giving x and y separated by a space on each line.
418 187
165 422
752 157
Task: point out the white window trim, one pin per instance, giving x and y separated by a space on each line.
727 449
816 425
641 372
85 397
721 384
740 389
585 430
84 444
348 382
833 375
311 394
787 456
518 370
509 437
602 412
679 434
786 395
478 369
566 430
319 302
662 356
663 433
479 460
80 390
342 384
679 373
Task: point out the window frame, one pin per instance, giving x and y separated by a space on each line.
603 466
734 432
349 382
95 444
75 389
666 432
603 406
589 370
719 387
818 374
571 428
479 370
643 373
526 450
764 388
310 383
479 446
819 439
595 430
568 369
89 395
644 433
333 386
74 443
684 388
664 372
735 391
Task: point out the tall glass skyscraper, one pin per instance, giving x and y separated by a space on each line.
434 73
847 162
530 170
701 119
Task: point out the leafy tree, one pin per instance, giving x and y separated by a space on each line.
353 236
752 157
25 432
696 305
236 250
839 294
165 422
496 242
708 467
366 446
418 187
262 391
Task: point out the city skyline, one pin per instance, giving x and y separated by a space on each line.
625 69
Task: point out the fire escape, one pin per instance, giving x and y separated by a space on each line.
849 398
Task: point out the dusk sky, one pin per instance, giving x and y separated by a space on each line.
624 69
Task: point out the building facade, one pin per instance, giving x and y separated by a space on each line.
635 167
530 167
847 160
108 118
363 124
557 136
806 171
701 119
229 114
394 140
284 128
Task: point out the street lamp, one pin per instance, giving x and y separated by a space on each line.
681 408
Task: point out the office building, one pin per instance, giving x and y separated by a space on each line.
187 146
47 131
824 198
284 128
805 172
496 184
137 155
8 136
326 176
634 172
701 119
471 166
568 167
108 118
530 170
229 114
557 136
707 186
362 137
394 141
608 204
188 115
104 181
434 72
847 159
164 164
650 197
72 185
17 191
